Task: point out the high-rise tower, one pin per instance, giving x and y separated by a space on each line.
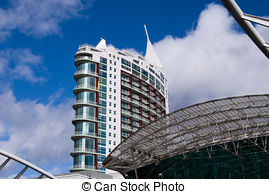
116 93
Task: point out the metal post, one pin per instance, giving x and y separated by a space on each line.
135 169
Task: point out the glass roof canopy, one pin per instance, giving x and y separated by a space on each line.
192 128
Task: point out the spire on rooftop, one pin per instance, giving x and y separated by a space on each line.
101 44
151 55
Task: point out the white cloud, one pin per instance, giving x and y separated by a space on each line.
212 61
19 64
38 17
39 133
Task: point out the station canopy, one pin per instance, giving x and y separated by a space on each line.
192 128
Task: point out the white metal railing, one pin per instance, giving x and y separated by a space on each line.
84 117
84 150
85 166
85 102
84 86
86 72
83 57
84 133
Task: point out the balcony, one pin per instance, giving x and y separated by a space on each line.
136 89
126 84
136 102
126 112
125 79
83 58
125 92
136 116
126 127
85 103
83 134
84 87
126 98
136 124
84 118
83 167
83 73
83 151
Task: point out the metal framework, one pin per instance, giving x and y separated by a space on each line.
244 20
196 127
25 163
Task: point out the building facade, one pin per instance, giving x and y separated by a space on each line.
116 94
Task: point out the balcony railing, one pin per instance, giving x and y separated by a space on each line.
84 150
84 133
86 102
85 72
84 117
126 98
85 167
83 57
84 86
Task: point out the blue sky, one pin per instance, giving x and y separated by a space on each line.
205 54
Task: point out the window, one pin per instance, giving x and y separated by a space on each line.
109 118
145 73
110 82
114 135
110 96
115 77
110 103
114 143
114 105
103 67
89 160
115 90
115 63
110 89
89 143
109 149
109 134
135 67
109 111
103 60
114 127
110 61
110 75
115 70
114 83
114 112
125 62
110 68
114 119
109 126
114 97
109 142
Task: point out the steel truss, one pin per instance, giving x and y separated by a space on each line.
196 127
244 20
26 166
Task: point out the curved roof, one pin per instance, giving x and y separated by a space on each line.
193 128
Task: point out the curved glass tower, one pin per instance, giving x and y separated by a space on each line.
116 94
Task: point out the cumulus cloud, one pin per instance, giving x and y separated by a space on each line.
39 133
38 17
212 61
19 64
